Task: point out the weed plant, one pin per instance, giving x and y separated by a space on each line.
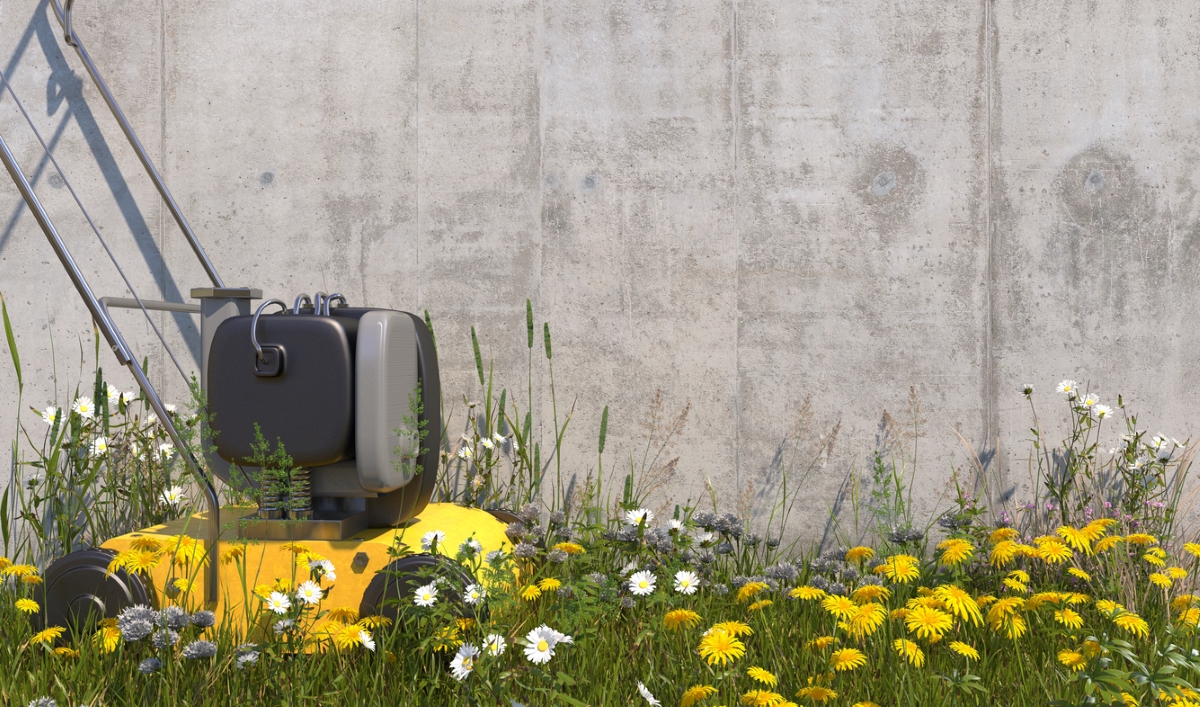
1081 595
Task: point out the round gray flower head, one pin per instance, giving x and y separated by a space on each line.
557 556
753 539
43 702
530 513
819 582
626 602
149 665
164 638
495 557
558 518
849 574
204 619
199 649
665 545
173 618
871 579
704 519
247 658
598 577
875 562
739 581
782 571
724 548
538 532
772 542
136 622
719 589
837 588
566 591
524 550
628 534
707 556
515 531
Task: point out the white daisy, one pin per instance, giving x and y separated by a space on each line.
151 420
676 525
172 496
498 438
284 625
426 595
278 602
642 583
495 644
166 450
1089 399
367 641
1101 411
325 568
686 582
128 397
470 546
513 444
113 394
647 696
99 447
430 540
1068 388
50 414
465 452
639 516
474 594
309 592
706 537
84 408
170 408
487 443
539 645
464 661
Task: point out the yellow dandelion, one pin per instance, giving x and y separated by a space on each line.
531 592
48 635
1078 573
695 694
870 592
108 638
865 620
1019 575
1176 572
681 618
343 615
28 606
820 643
1076 598
1130 700
182 584
31 579
347 636
721 647
295 548
1189 617
1141 539
1182 602
733 628
909 651
374 622
549 584
1193 549
570 548
759 605
1161 580
1014 585
840 606
928 623
847 659
18 571
1035 602
748 590
1003 553
817 693
966 650
864 704
959 602
1077 538
1069 618
898 614
1108 607
955 551
762 698
807 593
759 675
859 554
983 600
1108 543
465 624
65 652
4 563
999 535
233 553
1154 559
1053 552
1132 623
1072 659
1091 649
901 569
146 542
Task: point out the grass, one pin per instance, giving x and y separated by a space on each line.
1082 594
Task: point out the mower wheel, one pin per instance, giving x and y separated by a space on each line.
395 586
78 591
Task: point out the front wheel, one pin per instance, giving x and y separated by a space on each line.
78 592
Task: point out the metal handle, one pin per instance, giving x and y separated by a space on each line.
301 298
319 302
68 35
335 296
254 325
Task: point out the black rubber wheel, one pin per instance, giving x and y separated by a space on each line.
78 591
393 588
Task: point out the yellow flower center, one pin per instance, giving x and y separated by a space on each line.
643 584
468 664
543 646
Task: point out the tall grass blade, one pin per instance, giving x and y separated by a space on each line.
12 342
478 356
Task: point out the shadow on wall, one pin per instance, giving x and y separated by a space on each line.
64 97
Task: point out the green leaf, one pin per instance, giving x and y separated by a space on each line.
478 356
12 342
570 700
565 679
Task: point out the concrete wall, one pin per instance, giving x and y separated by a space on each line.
742 203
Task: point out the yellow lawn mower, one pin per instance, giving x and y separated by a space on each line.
351 393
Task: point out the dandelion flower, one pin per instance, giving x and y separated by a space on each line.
464 661
1155 558
749 589
1001 534
955 551
1132 623
1141 539
531 592
1053 552
818 693
870 592
642 583
695 694
928 623
1160 579
847 659
859 554
960 603
865 704
901 569
1003 553
1069 618
733 628
1106 544
343 614
426 595
65 652
233 553
965 650
549 584
1176 572
721 647
1108 607
28 606
495 645
865 620
48 635
309 592
686 582
278 602
647 695
1076 538
807 593
1078 573
759 675
909 651
681 618
1072 659
762 698
820 643
840 606
640 516
570 548
1193 549
84 407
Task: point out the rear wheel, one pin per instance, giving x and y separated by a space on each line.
78 591
395 586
